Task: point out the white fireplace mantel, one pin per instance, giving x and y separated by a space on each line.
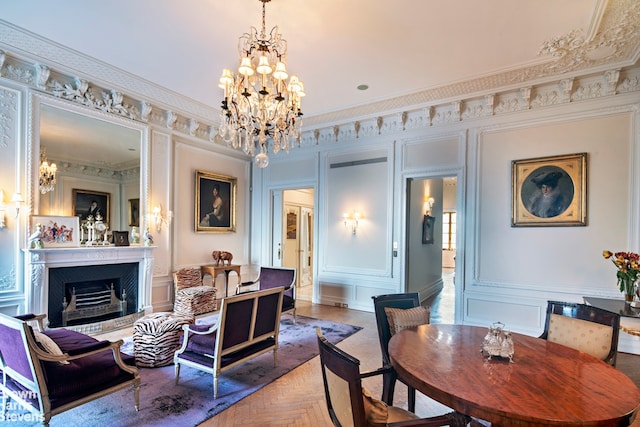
39 261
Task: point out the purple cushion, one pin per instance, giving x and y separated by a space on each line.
81 376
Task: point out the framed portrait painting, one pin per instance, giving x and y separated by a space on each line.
91 203
215 210
428 224
134 212
549 191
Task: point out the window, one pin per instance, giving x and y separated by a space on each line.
449 231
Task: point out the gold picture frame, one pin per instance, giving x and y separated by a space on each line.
549 191
134 212
215 210
82 204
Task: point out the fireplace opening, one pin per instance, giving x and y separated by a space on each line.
90 294
94 300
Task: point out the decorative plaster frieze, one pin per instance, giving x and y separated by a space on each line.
145 111
105 171
171 118
8 280
8 114
629 84
614 42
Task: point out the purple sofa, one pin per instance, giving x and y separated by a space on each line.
47 380
248 326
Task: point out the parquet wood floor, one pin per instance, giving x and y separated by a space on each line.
297 398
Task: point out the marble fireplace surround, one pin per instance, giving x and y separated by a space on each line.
38 262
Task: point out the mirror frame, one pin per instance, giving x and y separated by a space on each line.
36 100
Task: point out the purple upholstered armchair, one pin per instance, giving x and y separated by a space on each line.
52 371
274 277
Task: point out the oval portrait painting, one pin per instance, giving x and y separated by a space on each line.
547 192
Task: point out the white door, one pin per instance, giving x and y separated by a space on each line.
276 224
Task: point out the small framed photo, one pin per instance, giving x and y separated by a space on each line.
549 191
134 212
120 238
215 197
91 203
427 230
55 231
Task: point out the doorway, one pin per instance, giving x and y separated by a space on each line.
430 263
297 238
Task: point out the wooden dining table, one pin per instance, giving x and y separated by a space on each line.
546 384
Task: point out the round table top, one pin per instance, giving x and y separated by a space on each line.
547 383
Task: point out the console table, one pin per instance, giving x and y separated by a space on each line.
629 321
213 270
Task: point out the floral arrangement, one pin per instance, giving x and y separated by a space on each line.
628 265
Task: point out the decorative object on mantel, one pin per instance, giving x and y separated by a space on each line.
35 240
222 256
148 238
121 238
56 231
498 342
262 106
135 236
628 273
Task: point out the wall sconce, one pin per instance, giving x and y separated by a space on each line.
3 224
351 220
159 219
17 199
428 205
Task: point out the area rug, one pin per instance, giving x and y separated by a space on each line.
163 403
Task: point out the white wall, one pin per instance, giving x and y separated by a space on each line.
540 263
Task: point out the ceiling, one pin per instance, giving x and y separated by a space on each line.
397 48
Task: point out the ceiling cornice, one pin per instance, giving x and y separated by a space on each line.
568 65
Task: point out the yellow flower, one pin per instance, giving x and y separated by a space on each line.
607 254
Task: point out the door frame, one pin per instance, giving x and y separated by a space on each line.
459 271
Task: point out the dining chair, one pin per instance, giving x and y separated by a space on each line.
350 404
567 323
398 301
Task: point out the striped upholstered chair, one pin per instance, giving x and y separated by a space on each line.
191 296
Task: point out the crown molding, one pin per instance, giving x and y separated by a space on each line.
572 67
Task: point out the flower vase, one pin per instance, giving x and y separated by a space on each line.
629 287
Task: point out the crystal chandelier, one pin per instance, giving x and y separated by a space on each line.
259 104
47 173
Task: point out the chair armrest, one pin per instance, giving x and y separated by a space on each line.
245 285
188 330
29 317
85 351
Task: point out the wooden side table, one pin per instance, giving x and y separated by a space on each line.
213 270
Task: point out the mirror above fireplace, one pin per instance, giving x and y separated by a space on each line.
96 153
